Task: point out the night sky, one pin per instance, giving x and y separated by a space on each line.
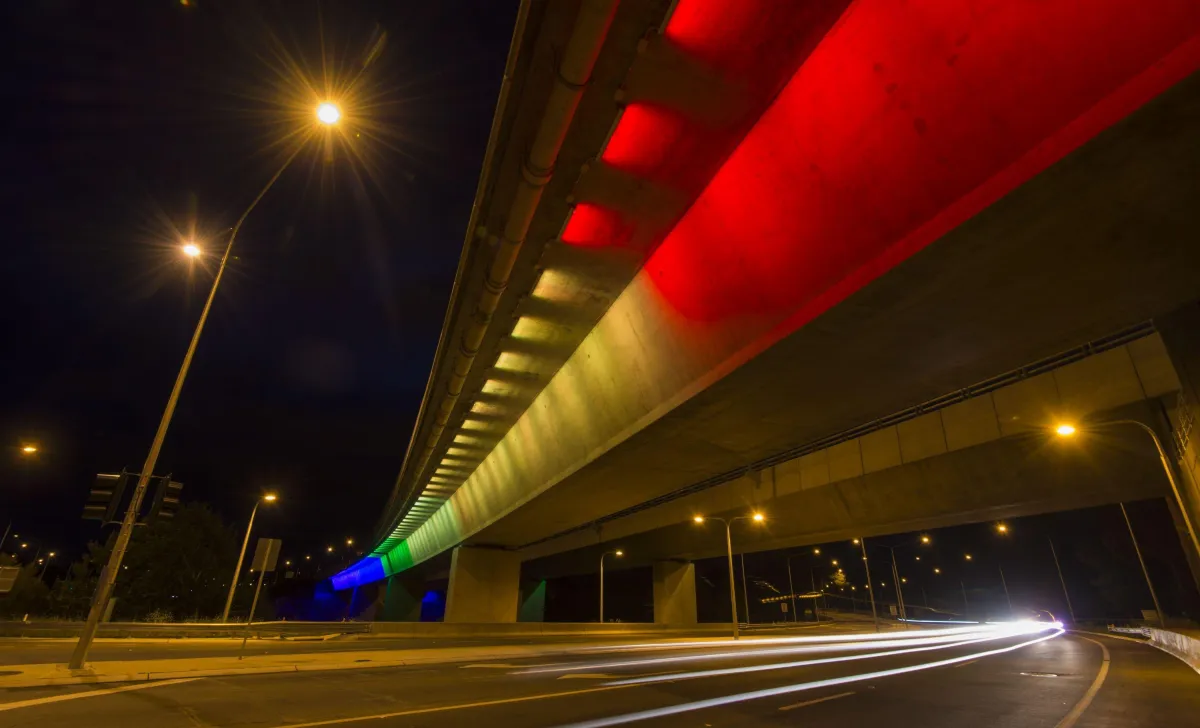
133 124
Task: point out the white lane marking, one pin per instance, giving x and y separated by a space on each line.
807 703
1071 718
445 708
964 664
788 689
93 693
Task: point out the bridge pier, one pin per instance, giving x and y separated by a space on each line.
1180 331
674 592
484 585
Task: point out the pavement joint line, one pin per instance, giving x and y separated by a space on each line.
807 703
1071 718
34 702
447 708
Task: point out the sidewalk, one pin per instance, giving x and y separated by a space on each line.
116 671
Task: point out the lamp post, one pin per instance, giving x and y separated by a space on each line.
757 518
615 552
862 543
1068 430
1061 580
237 570
1137 550
108 574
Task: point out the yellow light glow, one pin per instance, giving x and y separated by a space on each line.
476 425
619 552
328 113
698 519
758 517
925 539
349 542
834 562
817 552
308 558
967 557
1002 528
29 449
937 571
270 497
191 250
329 549
1064 430
855 542
513 362
528 328
556 286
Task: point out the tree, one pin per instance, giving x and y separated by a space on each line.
179 567
838 579
29 594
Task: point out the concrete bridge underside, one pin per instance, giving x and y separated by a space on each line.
1061 212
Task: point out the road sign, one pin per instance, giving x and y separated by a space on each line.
266 554
8 577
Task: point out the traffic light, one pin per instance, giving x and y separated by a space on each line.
166 498
104 500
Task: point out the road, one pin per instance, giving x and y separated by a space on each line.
929 679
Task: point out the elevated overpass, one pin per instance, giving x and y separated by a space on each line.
712 234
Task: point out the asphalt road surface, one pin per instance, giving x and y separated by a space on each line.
929 679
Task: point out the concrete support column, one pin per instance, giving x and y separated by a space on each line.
1180 332
674 592
402 597
533 602
484 585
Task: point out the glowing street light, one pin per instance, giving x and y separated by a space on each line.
328 113
1064 430
937 570
191 250
1001 528
967 557
349 542
29 449
817 552
329 549
757 518
925 539
268 498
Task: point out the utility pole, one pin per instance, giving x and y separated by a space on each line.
862 542
1004 583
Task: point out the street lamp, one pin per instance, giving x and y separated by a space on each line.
328 113
925 539
1067 429
1002 528
269 498
29 449
615 552
349 542
191 250
757 518
109 572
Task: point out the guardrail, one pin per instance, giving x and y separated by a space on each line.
179 630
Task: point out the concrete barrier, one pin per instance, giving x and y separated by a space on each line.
538 629
1185 647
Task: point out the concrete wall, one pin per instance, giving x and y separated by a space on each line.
1181 332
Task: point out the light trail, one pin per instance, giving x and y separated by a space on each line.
943 645
789 689
894 641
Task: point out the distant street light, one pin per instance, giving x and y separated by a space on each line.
29 449
1001 528
237 570
618 553
967 557
349 542
191 250
757 518
925 539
